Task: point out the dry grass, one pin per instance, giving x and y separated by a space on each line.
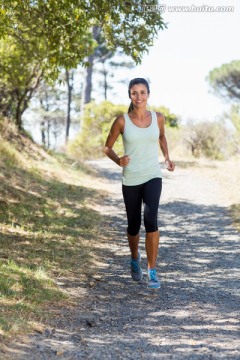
49 222
227 175
48 227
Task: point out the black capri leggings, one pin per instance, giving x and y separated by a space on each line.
148 194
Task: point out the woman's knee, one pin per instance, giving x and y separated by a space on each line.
133 230
151 228
150 223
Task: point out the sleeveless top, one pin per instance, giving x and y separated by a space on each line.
141 145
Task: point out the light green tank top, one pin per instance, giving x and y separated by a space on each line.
141 145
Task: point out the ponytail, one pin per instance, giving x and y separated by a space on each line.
131 107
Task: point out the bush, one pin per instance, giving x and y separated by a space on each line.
96 123
172 120
210 139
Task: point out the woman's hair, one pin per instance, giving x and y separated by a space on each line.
136 81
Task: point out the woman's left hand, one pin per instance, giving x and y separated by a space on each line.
170 165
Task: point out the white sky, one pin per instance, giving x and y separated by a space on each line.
184 54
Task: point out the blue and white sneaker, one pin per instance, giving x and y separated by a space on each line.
153 282
136 270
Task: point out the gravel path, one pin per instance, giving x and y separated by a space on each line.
195 314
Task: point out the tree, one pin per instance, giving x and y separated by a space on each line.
48 106
19 79
87 88
55 34
59 32
207 139
101 55
225 81
108 66
234 117
69 82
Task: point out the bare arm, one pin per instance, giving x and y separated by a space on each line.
163 142
116 129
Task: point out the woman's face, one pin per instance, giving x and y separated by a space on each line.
139 95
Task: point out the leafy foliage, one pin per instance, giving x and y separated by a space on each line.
54 33
40 37
172 120
19 79
225 81
234 117
96 123
58 32
208 139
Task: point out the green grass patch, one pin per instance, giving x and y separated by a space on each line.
8 153
48 225
22 291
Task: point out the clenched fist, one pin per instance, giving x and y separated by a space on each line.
124 160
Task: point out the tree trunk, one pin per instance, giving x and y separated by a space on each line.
87 88
48 133
43 133
69 101
24 97
105 81
18 118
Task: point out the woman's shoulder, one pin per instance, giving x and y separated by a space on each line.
160 117
119 122
120 119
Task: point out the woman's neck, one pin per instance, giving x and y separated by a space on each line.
140 114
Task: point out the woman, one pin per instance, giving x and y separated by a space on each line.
141 132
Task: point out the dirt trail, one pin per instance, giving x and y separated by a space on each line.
195 314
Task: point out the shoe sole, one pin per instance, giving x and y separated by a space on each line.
154 287
139 279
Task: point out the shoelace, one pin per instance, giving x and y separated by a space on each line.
152 275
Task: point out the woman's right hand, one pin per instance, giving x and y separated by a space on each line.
124 160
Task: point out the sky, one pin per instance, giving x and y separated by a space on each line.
183 55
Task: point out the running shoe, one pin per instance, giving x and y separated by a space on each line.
153 282
136 270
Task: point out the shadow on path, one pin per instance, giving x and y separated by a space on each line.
195 314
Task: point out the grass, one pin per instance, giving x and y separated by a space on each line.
48 226
49 221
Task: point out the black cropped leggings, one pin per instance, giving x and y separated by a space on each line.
148 194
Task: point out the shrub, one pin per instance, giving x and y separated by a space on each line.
96 123
210 139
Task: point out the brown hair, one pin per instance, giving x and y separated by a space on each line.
136 81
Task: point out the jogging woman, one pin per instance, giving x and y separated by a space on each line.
142 132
